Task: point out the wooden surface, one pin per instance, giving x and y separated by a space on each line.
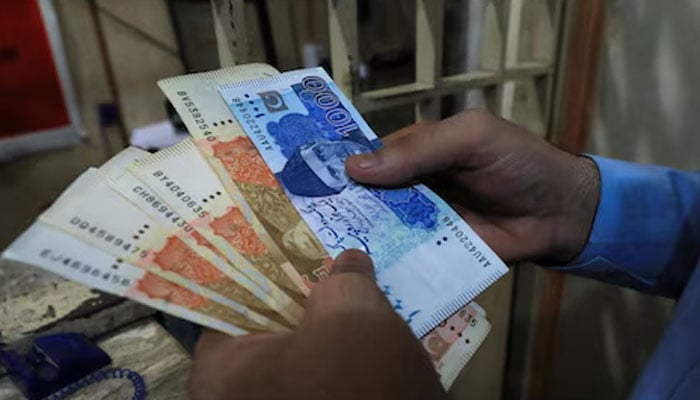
147 349
36 302
579 80
17 279
577 89
42 307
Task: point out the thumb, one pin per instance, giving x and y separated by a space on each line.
350 287
353 261
418 151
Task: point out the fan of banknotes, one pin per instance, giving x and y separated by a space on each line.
232 227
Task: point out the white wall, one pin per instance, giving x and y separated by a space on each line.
647 109
648 101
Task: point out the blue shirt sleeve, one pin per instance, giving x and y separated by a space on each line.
646 233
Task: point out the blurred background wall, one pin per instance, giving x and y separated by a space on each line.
645 111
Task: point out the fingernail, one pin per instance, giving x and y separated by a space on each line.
367 160
354 261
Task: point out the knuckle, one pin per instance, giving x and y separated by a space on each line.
478 115
479 122
478 119
424 126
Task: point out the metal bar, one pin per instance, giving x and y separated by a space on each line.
342 29
510 56
231 35
284 33
267 33
558 14
430 15
175 22
109 72
413 92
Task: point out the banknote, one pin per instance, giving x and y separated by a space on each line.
428 260
452 343
91 211
122 160
53 250
140 195
242 171
439 340
184 179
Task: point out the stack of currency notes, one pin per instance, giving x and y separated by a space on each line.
232 227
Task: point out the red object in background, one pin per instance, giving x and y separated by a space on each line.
31 97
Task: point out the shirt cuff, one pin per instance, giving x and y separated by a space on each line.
636 226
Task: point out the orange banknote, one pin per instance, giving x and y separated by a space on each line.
182 177
172 206
453 343
91 211
243 172
55 251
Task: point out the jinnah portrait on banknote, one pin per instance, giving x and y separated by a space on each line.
315 149
317 168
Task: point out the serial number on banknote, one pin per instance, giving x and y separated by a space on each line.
84 268
162 208
464 239
180 194
110 238
194 112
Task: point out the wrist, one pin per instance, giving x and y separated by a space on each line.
578 210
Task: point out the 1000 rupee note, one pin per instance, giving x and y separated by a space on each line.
242 171
91 211
182 177
428 260
53 250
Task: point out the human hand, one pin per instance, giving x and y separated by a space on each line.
526 198
350 345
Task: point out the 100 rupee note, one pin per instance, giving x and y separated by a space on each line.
91 211
173 207
183 178
53 250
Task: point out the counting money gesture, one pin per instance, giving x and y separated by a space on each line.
350 345
524 197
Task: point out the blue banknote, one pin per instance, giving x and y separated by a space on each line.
428 261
